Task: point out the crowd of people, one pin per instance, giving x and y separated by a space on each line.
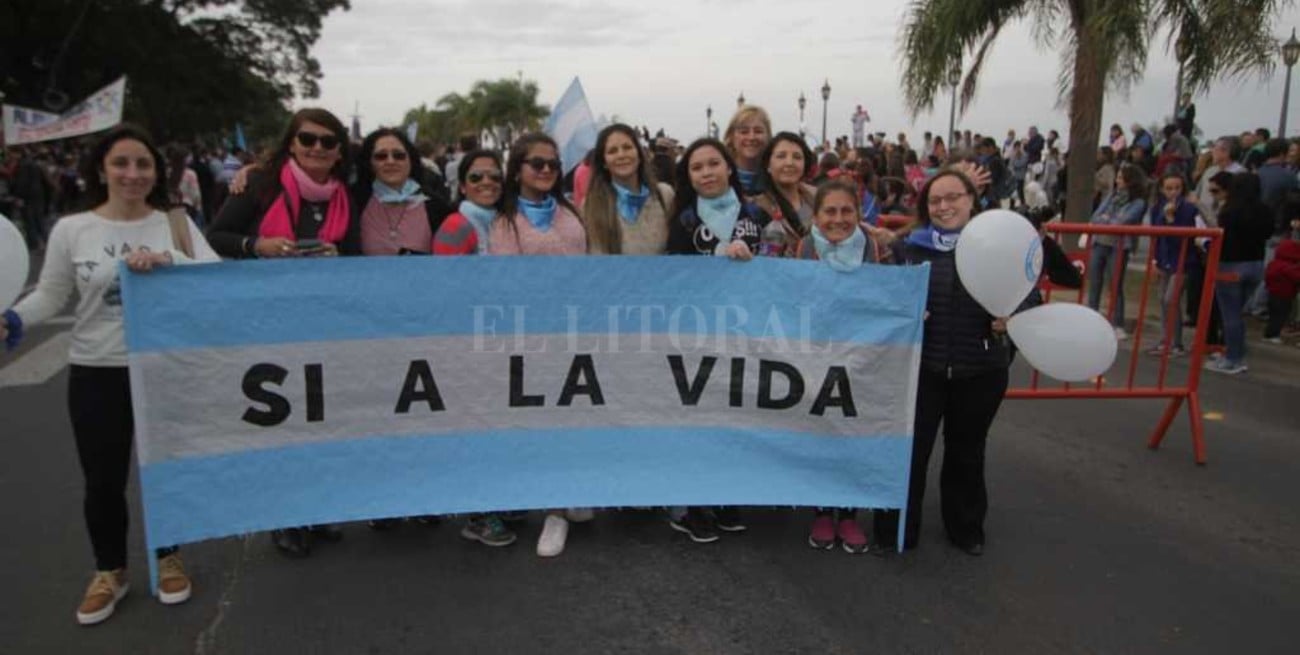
752 193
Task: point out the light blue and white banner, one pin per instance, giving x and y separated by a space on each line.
281 393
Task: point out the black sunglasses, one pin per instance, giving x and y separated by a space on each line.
475 177
384 155
309 140
539 164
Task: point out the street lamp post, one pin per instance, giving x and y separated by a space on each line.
740 100
803 102
708 119
1182 50
954 78
1290 54
826 99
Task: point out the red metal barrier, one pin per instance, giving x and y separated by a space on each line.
1185 391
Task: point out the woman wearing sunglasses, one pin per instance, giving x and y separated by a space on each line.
297 202
465 232
536 219
397 216
296 205
626 209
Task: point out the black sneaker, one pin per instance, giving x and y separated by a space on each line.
696 524
727 518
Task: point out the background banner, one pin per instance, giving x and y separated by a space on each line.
282 393
100 111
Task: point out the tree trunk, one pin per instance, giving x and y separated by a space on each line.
1086 102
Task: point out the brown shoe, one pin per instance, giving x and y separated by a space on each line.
106 588
173 584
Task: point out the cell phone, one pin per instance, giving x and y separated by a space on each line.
309 244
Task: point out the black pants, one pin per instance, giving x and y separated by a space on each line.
966 408
1279 310
99 402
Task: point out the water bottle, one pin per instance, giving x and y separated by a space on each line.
773 239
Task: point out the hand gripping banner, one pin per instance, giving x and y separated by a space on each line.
282 393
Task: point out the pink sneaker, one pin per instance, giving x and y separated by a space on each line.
822 536
851 537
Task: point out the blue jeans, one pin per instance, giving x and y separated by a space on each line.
1232 297
1101 264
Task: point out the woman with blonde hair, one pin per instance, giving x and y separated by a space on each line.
746 136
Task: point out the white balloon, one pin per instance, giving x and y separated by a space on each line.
1069 342
13 263
999 259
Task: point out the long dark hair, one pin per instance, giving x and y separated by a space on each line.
271 167
514 167
686 196
769 185
92 167
1244 195
365 168
468 159
600 208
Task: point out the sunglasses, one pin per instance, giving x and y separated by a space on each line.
476 177
539 164
309 140
385 155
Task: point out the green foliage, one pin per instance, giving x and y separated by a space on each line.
503 108
194 67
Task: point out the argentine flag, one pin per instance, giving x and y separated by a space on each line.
572 126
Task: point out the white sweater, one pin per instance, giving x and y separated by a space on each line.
82 252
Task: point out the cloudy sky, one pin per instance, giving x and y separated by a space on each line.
661 63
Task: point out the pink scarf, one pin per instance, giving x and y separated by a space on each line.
280 219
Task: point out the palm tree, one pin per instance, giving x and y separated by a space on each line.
1105 48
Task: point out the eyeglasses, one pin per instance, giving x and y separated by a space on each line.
951 199
476 177
385 155
310 139
539 164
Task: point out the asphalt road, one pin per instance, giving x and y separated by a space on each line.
1095 545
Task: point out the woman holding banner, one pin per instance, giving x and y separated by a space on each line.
396 215
786 202
126 179
465 232
626 209
838 238
296 205
536 219
709 218
963 376
746 137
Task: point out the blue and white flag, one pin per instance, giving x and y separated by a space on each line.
572 126
281 393
412 128
239 141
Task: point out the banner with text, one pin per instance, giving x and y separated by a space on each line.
96 113
281 393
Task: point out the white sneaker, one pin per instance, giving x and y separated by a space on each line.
1120 334
579 514
555 530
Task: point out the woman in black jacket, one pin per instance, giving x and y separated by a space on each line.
964 360
396 213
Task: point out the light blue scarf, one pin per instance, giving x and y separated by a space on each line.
409 192
719 214
935 238
630 204
480 218
844 256
540 214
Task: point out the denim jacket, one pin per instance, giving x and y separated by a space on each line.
1112 213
